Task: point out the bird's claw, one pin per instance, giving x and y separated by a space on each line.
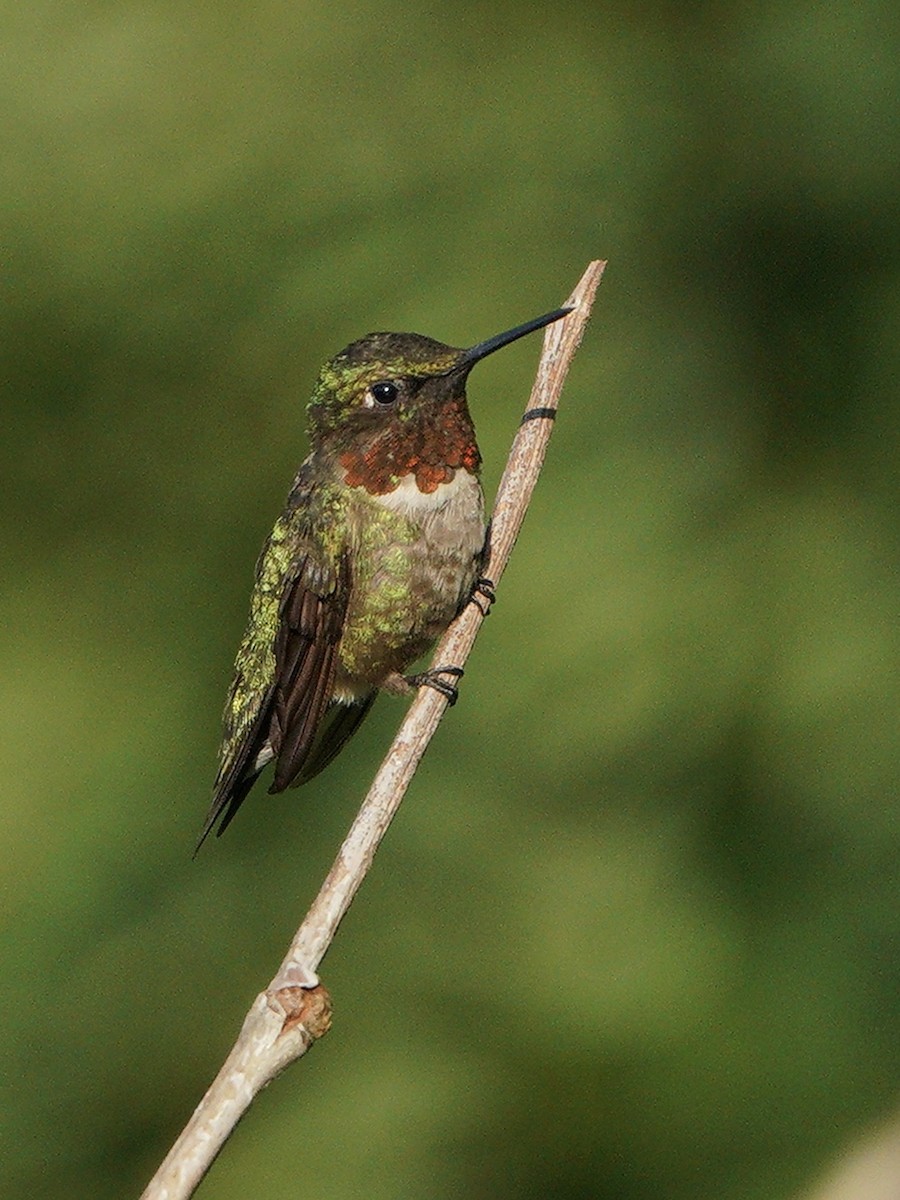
483 595
433 679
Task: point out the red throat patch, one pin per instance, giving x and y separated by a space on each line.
432 451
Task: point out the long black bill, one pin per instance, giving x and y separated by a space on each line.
483 349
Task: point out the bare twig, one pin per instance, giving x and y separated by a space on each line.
867 1169
295 1009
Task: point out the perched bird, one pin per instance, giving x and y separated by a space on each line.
379 546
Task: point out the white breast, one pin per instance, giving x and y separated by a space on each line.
407 500
453 514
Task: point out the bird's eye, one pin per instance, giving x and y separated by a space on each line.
383 393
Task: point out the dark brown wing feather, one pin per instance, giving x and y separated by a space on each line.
305 663
291 711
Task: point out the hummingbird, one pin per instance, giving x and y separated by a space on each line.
380 544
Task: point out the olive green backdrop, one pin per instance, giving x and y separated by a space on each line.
635 931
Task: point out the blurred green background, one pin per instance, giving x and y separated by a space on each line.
636 930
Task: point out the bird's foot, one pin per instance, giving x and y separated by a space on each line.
483 595
433 679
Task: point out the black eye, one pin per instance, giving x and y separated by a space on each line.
384 392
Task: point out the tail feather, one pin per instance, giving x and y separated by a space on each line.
224 805
339 726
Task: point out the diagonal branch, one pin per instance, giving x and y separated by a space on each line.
295 1010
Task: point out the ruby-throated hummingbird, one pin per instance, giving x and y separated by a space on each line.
379 546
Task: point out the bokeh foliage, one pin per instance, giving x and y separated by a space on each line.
635 933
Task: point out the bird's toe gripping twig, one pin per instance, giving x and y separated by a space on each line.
432 678
483 595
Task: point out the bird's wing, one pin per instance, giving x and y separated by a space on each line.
285 666
309 630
